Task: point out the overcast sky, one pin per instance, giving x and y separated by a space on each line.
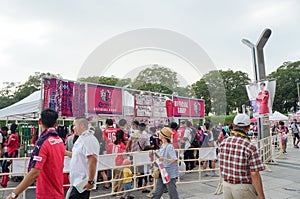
58 36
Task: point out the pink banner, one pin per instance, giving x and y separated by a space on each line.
104 100
185 107
196 108
181 107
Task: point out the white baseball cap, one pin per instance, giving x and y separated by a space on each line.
241 120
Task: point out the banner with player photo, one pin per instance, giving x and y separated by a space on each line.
261 96
187 107
104 99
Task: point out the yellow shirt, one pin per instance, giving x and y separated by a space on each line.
127 175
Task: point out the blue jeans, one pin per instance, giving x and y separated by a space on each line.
127 186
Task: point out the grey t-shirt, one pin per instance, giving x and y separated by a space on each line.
295 128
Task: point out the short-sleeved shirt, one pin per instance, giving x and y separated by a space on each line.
1 138
109 135
169 152
238 158
139 140
188 134
175 138
295 128
13 143
119 148
86 145
155 141
180 131
127 175
48 157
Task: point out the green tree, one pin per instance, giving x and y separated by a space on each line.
286 96
112 80
156 75
222 91
235 86
33 83
13 92
185 91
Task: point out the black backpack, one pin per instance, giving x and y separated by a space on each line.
196 141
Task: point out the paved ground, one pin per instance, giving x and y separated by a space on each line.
282 182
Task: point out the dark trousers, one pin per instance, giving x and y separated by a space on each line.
76 195
7 163
188 155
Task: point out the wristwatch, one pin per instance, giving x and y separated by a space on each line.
13 195
91 182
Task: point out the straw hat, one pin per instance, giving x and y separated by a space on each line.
166 132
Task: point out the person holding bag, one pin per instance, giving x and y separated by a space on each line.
169 159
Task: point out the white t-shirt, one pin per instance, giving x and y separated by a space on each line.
86 144
188 134
1 138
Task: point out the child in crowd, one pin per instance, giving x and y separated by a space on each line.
127 182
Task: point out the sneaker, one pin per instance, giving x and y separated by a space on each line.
149 195
296 146
214 174
146 191
105 187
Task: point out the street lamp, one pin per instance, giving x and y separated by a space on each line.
298 94
252 46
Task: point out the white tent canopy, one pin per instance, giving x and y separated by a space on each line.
29 107
277 116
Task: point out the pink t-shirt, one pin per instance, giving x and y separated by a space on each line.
120 148
13 143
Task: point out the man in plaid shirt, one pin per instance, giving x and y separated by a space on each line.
240 163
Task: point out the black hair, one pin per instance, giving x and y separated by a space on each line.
13 128
109 122
49 117
281 123
122 122
119 137
263 83
152 129
173 125
142 126
208 125
189 124
4 128
135 123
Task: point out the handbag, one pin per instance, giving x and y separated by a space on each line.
155 172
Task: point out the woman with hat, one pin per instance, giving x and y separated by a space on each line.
168 157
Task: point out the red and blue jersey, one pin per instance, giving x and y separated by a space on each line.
48 157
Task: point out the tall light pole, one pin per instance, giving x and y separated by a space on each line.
298 94
252 46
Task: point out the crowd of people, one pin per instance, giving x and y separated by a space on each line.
84 144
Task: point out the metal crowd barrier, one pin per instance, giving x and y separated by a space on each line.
107 163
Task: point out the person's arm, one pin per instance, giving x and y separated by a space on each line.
68 153
28 180
128 145
257 183
92 159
